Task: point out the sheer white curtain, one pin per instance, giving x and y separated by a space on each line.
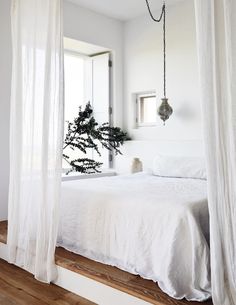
216 38
36 135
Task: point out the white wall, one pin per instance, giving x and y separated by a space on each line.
5 89
144 71
85 25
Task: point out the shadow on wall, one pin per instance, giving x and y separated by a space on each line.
185 112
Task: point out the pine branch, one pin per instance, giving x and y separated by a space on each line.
85 133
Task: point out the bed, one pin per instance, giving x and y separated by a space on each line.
157 227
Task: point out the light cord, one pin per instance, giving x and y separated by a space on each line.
162 16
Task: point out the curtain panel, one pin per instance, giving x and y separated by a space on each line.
36 135
216 41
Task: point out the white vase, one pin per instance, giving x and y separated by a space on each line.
136 166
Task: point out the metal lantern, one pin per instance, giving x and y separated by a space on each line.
165 110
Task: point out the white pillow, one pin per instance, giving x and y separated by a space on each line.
179 167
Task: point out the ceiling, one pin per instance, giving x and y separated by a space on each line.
83 48
121 9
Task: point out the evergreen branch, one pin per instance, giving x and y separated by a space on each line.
85 133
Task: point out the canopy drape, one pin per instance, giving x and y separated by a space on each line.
216 40
36 135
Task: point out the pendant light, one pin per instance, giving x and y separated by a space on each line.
165 109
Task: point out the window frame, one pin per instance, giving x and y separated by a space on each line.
138 97
110 154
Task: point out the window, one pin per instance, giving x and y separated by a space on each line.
74 85
146 109
87 80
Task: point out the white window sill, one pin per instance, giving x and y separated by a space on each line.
78 176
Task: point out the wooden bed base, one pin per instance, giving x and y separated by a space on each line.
111 276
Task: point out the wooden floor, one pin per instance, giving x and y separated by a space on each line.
3 232
18 287
111 276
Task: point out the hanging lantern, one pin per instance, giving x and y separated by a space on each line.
165 110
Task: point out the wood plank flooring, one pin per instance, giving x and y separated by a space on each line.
18 287
116 278
111 276
3 232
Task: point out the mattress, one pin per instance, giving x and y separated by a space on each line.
152 226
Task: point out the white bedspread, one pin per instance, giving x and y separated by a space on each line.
152 226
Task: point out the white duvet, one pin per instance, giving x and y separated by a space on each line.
152 226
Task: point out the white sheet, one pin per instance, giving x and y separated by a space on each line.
152 226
